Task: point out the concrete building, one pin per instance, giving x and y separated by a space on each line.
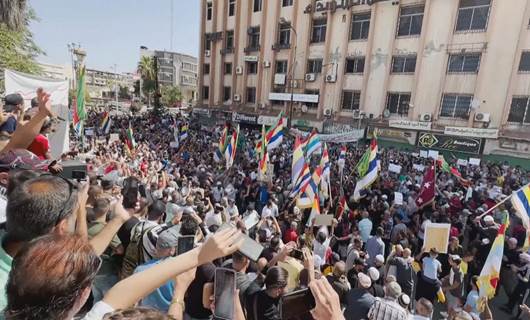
56 71
176 69
101 85
452 75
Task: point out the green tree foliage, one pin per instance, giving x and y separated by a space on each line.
13 14
170 96
18 49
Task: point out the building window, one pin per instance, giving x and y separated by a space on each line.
473 15
309 104
228 68
355 65
403 64
231 7
229 41
284 35
410 21
252 67
251 95
464 63
257 5
398 103
287 3
314 66
351 100
281 66
520 110
524 65
360 26
227 93
209 11
253 37
456 106
206 68
207 44
205 93
319 31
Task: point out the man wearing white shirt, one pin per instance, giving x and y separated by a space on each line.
365 227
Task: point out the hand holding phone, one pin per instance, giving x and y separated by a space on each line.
185 244
224 293
297 303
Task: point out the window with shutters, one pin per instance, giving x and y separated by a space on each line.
520 110
318 33
355 65
398 103
463 63
360 26
410 21
314 66
281 66
404 64
456 106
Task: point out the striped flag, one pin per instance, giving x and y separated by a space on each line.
326 173
131 143
490 274
343 207
79 110
313 144
264 156
298 161
230 152
183 132
218 155
372 172
105 124
342 157
302 181
275 135
521 203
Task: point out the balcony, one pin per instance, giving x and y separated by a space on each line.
226 51
252 49
281 46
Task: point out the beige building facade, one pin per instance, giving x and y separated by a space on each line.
446 74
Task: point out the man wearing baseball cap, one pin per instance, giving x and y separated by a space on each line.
13 104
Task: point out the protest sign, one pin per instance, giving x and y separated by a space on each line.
418 167
424 154
394 168
437 236
114 137
461 162
433 154
398 198
474 161
323 220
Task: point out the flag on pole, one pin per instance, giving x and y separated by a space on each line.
273 136
131 143
489 276
298 161
264 157
342 157
303 180
106 122
313 144
446 167
326 173
309 190
371 174
183 132
364 163
428 188
343 207
230 152
218 155
521 203
79 107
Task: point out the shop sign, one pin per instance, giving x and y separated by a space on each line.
297 97
306 124
269 121
333 128
202 112
450 143
251 58
334 5
387 133
411 125
244 118
472 132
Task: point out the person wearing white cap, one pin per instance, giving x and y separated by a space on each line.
376 289
523 275
388 308
487 227
453 283
359 300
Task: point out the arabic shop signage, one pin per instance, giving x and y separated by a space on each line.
334 5
244 118
472 132
412 125
450 143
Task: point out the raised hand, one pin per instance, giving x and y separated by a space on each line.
221 244
327 301
45 105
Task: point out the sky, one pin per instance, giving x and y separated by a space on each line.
112 31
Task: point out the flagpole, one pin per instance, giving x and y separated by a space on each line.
494 207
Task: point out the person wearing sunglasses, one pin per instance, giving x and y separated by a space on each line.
52 276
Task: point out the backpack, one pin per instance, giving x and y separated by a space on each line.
134 254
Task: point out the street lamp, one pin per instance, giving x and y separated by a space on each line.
292 68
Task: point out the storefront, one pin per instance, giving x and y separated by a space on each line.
443 142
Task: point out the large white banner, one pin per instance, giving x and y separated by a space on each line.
26 85
352 136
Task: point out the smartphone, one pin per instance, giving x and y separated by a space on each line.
79 175
250 248
297 254
224 292
141 190
296 303
185 244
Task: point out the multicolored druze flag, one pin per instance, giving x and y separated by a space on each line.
313 144
521 203
105 124
298 161
183 132
371 173
79 107
131 143
489 276
263 155
325 182
230 152
446 167
218 155
273 136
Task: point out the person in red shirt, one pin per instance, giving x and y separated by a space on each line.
40 145
291 234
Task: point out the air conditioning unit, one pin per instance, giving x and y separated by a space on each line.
357 114
310 77
207 53
426 117
304 109
266 64
237 97
482 117
239 70
328 112
279 79
331 78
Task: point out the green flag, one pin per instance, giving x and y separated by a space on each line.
80 98
364 164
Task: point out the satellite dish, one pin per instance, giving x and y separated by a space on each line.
304 108
386 113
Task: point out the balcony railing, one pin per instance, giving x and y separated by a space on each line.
227 51
281 46
252 49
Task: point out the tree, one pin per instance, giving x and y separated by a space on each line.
170 96
124 93
18 50
147 73
13 14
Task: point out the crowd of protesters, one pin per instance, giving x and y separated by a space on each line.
106 247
